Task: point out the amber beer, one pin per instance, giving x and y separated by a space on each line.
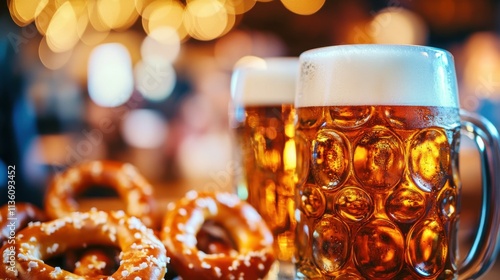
378 190
268 172
379 198
263 96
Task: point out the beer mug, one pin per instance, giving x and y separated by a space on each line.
263 94
378 189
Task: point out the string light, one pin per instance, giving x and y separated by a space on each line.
62 32
199 19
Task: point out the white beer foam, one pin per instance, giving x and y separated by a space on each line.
377 75
270 81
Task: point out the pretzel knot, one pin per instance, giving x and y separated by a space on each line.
124 178
142 256
252 255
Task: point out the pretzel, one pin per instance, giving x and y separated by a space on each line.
252 256
143 256
93 261
15 217
130 185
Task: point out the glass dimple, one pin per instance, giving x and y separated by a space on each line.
379 249
307 271
302 158
378 159
349 276
430 161
363 178
353 204
427 248
312 201
330 159
330 244
313 118
349 118
406 205
448 203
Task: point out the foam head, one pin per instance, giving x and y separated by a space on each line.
377 75
269 81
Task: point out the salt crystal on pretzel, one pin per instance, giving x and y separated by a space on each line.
41 241
131 186
252 256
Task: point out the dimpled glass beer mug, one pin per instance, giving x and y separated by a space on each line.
263 94
378 193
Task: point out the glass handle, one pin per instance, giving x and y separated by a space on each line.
484 248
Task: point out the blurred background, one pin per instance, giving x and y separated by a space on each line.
148 81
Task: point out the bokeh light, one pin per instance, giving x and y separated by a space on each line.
50 59
251 62
110 78
144 128
62 32
88 35
140 5
155 80
117 14
95 17
302 7
164 14
238 7
480 79
162 44
398 26
45 15
23 12
205 19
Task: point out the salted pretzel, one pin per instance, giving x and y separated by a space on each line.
131 186
14 217
252 255
143 255
94 261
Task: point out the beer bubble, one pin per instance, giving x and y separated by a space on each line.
427 248
330 159
378 159
448 203
312 201
406 205
379 249
353 204
351 116
330 244
429 159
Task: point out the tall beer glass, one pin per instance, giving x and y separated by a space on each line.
378 193
263 97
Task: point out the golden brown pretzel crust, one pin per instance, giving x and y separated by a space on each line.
254 241
130 185
14 219
143 256
95 262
